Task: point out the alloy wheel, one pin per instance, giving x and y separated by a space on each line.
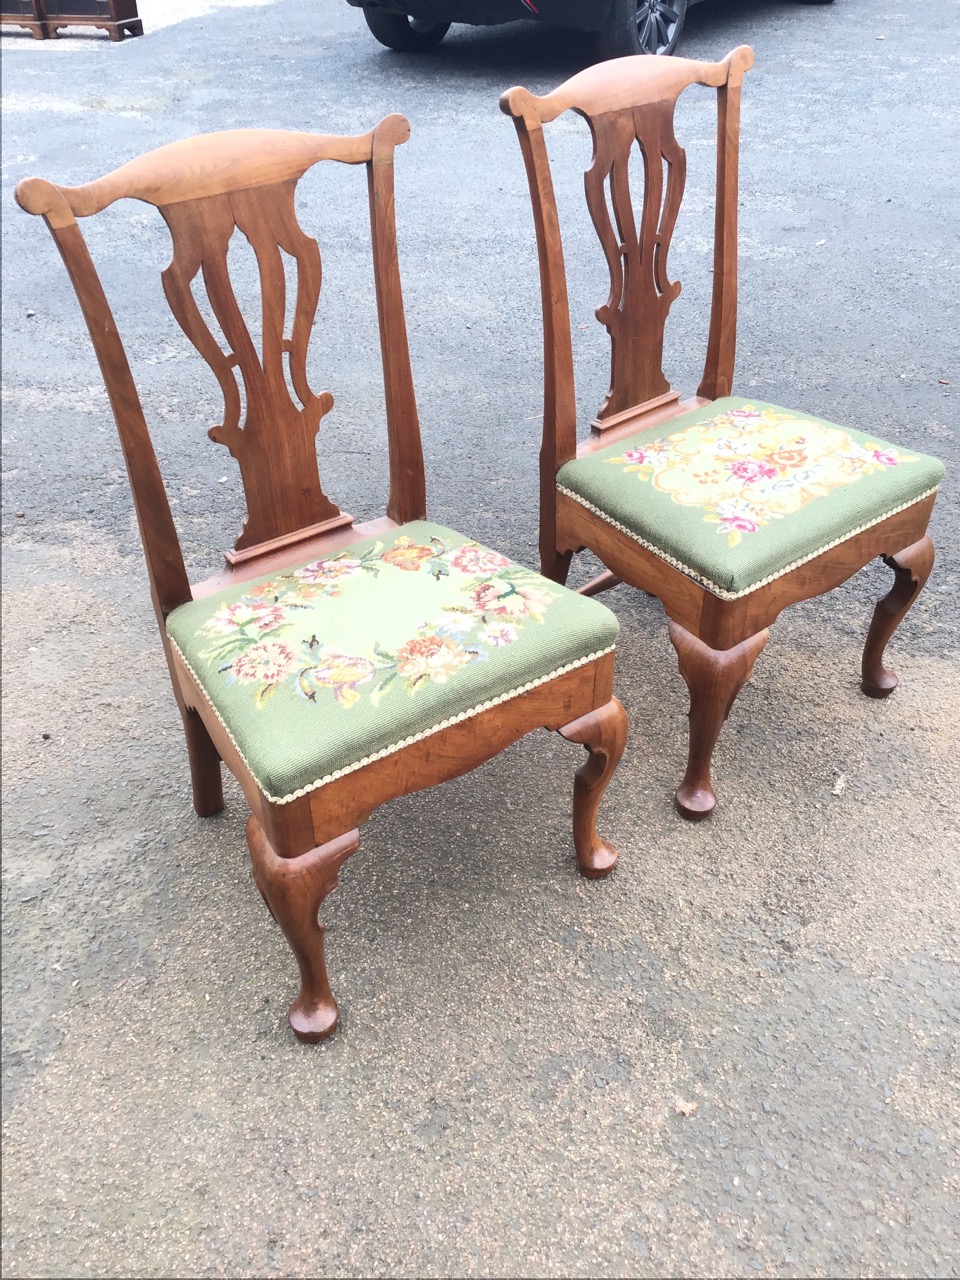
658 24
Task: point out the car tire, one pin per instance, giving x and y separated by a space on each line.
642 26
409 35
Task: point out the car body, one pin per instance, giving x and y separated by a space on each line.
623 26
585 16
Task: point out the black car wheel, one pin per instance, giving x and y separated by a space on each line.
642 26
409 35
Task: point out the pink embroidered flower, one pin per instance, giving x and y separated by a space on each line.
504 600
885 458
498 636
737 517
635 456
431 658
244 615
271 618
740 523
744 415
266 663
750 471
483 599
477 560
329 570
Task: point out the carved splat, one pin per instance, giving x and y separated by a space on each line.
275 444
640 293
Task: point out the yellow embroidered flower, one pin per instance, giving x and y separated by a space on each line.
341 672
407 556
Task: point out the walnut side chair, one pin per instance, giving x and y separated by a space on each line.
331 666
727 509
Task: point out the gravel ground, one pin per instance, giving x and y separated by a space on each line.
502 1095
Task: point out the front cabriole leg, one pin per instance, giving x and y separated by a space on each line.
714 678
911 569
604 734
293 889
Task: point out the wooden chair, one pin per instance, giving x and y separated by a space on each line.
726 509
331 665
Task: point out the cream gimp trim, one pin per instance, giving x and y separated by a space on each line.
707 582
397 746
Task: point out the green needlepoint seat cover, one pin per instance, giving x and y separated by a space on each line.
738 493
316 670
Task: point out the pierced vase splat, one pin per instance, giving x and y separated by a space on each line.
640 297
261 417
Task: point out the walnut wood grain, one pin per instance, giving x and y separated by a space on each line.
29 15
625 102
204 760
602 582
623 84
635 312
208 190
724 623
456 750
912 567
293 889
205 187
629 105
714 678
275 444
604 734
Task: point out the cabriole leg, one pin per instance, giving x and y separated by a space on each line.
911 570
714 678
204 765
604 734
293 889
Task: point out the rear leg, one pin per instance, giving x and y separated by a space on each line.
911 569
204 765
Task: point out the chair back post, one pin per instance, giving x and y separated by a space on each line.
407 499
559 440
169 585
717 378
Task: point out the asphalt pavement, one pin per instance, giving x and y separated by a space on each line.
511 1090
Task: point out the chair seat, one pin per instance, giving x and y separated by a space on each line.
318 670
737 493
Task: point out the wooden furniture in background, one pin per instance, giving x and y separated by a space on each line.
24 13
207 188
629 106
118 18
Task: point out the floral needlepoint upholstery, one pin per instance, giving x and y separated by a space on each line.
738 493
316 670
